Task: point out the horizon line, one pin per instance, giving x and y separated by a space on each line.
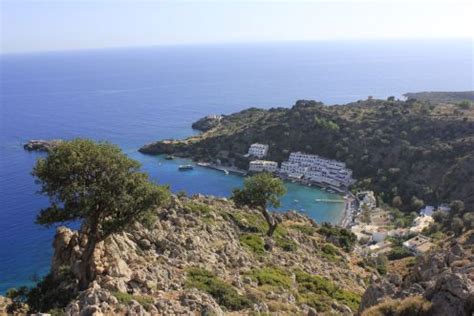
230 43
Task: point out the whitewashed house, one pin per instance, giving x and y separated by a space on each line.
258 150
263 165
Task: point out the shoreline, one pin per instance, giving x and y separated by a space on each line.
349 211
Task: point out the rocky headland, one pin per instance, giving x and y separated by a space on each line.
41 145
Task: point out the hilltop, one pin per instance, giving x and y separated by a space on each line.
442 97
409 149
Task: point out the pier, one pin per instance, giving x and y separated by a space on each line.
222 168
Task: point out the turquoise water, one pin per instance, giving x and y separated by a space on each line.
208 181
134 96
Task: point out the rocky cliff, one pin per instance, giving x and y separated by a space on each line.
40 144
444 277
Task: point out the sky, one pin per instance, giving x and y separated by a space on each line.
55 25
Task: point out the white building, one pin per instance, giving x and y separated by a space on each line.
263 165
367 198
317 169
258 150
418 244
379 235
428 210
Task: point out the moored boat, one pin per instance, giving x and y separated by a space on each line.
185 167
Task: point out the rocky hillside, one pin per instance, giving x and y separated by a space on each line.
403 149
443 279
203 255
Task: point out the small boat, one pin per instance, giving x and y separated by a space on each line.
185 167
226 171
203 164
169 157
296 201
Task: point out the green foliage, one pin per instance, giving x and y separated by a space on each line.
48 294
339 236
96 183
251 222
456 221
318 292
286 244
260 191
253 242
465 105
398 253
422 149
378 263
225 294
197 207
305 229
204 210
19 299
325 123
411 306
126 298
402 219
330 250
397 201
272 276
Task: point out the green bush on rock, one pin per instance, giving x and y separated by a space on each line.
225 294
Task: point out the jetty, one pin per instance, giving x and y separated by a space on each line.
224 169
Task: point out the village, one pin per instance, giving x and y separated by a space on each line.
374 225
307 168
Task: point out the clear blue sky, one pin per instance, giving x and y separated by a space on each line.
37 25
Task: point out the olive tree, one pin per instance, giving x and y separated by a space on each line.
97 185
261 191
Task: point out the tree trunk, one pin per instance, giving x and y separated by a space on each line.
272 223
86 271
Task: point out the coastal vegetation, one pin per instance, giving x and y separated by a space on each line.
411 153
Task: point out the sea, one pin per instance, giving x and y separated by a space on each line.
131 97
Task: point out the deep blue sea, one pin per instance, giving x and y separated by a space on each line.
134 96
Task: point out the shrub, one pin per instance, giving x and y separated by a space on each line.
398 253
126 298
253 242
48 294
251 222
465 105
305 229
286 244
272 276
319 292
339 236
225 294
411 306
